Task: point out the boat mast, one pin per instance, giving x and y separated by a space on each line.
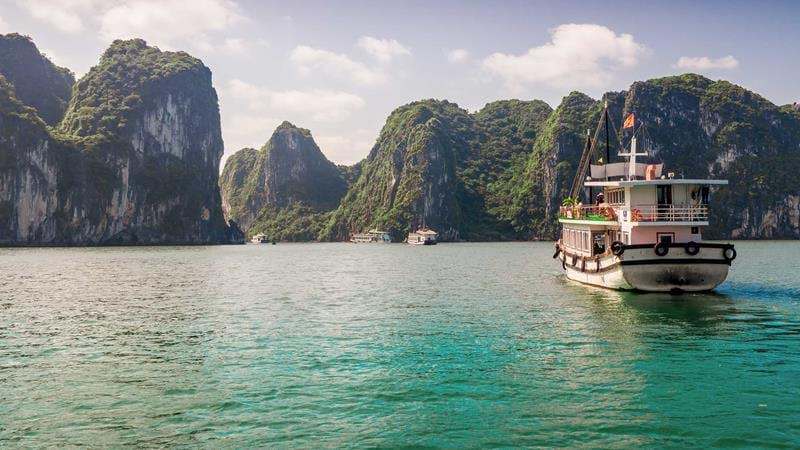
586 157
632 155
608 147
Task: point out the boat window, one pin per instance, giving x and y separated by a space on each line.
598 243
616 196
664 194
667 238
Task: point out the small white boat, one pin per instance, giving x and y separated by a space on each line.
423 236
644 230
260 238
372 237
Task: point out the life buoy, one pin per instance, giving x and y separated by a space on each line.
617 248
692 248
661 249
729 254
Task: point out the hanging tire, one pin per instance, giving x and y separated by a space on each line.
617 248
555 255
661 249
729 254
692 248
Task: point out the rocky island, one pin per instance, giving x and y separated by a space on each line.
130 153
133 158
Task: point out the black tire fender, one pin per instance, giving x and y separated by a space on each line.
692 248
617 248
661 249
729 254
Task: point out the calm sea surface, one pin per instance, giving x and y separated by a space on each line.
341 345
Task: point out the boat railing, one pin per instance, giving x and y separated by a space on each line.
668 213
599 213
638 213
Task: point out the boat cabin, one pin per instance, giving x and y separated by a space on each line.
635 204
372 237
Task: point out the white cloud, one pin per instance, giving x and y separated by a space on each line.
259 110
458 55
169 23
703 63
384 50
578 55
65 15
321 105
346 149
309 60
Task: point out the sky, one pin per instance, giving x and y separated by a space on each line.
340 68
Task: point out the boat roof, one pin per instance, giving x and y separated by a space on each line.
425 231
626 183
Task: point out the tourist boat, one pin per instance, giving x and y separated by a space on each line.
260 238
644 231
372 237
423 236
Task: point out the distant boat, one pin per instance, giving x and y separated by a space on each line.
423 236
260 238
372 237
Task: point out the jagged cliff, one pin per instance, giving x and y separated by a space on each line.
285 189
700 129
135 159
501 173
37 81
410 177
710 128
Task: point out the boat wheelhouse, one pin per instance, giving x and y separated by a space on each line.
423 236
372 237
644 230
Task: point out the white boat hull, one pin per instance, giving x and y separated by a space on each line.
639 268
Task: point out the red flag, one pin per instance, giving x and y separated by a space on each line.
628 122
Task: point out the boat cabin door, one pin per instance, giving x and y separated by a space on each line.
664 195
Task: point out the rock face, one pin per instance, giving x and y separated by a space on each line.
410 177
700 129
502 172
434 165
267 190
37 81
134 160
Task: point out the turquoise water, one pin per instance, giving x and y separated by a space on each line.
339 345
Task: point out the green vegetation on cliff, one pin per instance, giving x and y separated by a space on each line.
134 160
126 81
37 81
285 189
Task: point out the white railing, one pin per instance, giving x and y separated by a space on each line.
668 213
639 213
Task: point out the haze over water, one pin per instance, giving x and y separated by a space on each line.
330 345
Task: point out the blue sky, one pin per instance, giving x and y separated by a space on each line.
339 68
